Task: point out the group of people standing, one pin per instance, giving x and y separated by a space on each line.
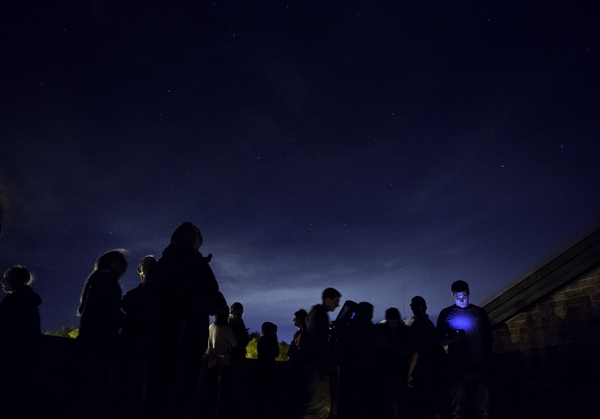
137 355
141 354
352 368
146 346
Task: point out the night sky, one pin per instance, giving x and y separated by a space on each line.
385 149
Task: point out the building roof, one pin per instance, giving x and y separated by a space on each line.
559 272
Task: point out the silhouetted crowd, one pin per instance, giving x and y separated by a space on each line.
153 353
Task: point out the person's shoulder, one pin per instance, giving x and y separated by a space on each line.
222 327
106 283
104 276
446 310
173 251
30 295
419 325
317 308
418 321
95 276
480 310
427 320
134 291
97 280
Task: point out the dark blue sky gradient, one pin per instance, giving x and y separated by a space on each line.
386 149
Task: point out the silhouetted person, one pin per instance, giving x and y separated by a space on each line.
397 334
139 336
425 371
20 337
190 294
294 353
100 311
236 322
465 328
268 349
359 352
238 372
19 313
221 341
100 320
297 386
141 308
319 356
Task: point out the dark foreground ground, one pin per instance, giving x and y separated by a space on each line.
54 393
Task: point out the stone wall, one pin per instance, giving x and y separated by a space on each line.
557 339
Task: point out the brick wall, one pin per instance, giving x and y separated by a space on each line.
557 338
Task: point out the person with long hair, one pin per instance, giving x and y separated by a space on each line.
100 321
100 309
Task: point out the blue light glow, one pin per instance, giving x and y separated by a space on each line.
461 321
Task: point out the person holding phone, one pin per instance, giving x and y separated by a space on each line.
465 329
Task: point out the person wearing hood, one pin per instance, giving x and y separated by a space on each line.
190 294
190 290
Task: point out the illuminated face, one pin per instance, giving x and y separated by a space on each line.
236 314
147 268
461 299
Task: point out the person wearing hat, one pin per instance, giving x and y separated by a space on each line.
426 362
